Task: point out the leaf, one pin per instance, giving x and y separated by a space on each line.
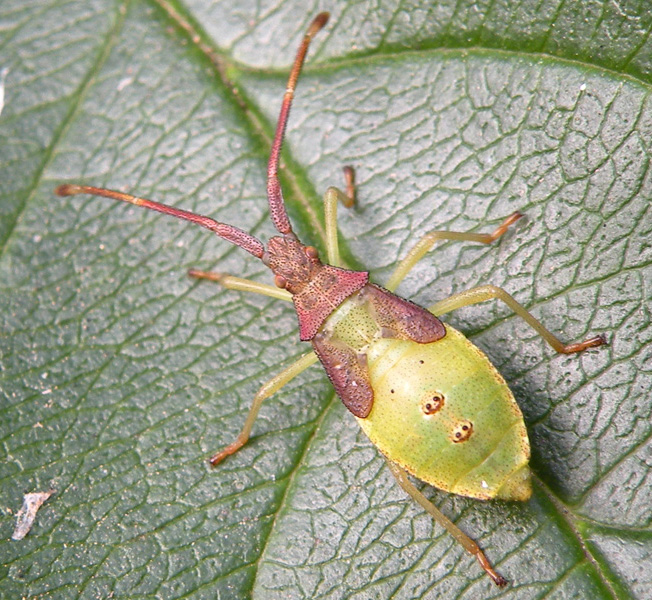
119 376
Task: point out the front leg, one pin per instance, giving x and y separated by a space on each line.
332 196
243 285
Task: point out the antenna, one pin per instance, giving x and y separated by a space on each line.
274 194
228 232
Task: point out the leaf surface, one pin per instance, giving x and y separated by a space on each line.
119 376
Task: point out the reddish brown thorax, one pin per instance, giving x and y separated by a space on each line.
317 289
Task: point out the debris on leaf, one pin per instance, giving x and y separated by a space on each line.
27 513
3 77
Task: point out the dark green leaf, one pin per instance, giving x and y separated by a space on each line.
119 376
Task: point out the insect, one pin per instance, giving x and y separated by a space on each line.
430 400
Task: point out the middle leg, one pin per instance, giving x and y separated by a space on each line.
425 244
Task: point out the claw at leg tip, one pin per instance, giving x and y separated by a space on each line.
66 189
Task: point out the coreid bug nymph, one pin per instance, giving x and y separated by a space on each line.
430 401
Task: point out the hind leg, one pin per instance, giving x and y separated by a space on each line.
469 545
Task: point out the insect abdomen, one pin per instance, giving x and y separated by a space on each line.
442 412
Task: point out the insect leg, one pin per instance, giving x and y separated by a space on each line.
244 285
330 214
469 545
266 390
488 292
428 241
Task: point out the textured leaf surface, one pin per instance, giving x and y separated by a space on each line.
118 375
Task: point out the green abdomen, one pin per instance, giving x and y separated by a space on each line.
443 413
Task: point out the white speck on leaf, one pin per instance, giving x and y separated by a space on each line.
123 83
27 513
484 484
3 77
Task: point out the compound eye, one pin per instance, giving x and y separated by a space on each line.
280 282
311 252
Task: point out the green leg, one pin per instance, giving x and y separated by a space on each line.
266 390
243 285
469 545
428 241
488 292
274 384
332 196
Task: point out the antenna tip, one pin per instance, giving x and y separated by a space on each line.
68 189
318 22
